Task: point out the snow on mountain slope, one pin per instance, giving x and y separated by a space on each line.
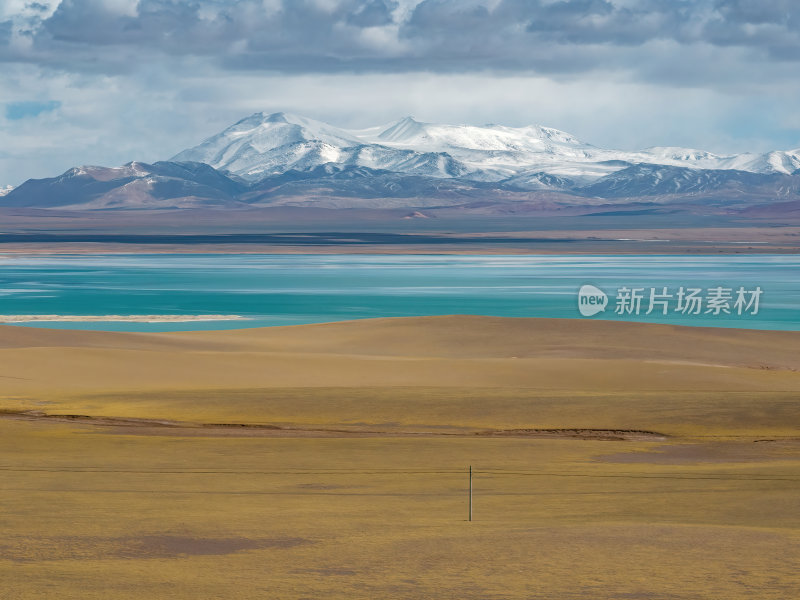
675 154
408 133
264 145
248 147
495 152
772 162
784 162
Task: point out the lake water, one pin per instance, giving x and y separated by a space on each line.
292 289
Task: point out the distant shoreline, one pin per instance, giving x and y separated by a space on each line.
117 318
625 248
616 241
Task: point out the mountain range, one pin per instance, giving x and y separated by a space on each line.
282 159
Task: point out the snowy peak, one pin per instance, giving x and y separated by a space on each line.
409 133
299 128
267 144
405 130
281 128
261 143
680 154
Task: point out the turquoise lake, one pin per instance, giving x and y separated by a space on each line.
273 290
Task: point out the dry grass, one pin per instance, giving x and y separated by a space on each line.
121 512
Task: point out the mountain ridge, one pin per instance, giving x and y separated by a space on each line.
283 159
481 153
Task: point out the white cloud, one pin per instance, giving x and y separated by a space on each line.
24 8
154 114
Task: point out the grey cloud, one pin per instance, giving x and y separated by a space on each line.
94 22
760 12
302 36
36 6
600 22
578 22
373 14
307 36
772 26
5 32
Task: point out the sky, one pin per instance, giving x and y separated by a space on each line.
109 81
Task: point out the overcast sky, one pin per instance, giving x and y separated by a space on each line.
109 81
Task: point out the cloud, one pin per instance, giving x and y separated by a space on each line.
436 35
771 26
30 108
6 28
141 79
374 13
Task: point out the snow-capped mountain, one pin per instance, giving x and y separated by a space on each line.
264 145
268 160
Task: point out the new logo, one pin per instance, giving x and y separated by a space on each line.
591 300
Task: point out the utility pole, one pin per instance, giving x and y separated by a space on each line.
470 492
